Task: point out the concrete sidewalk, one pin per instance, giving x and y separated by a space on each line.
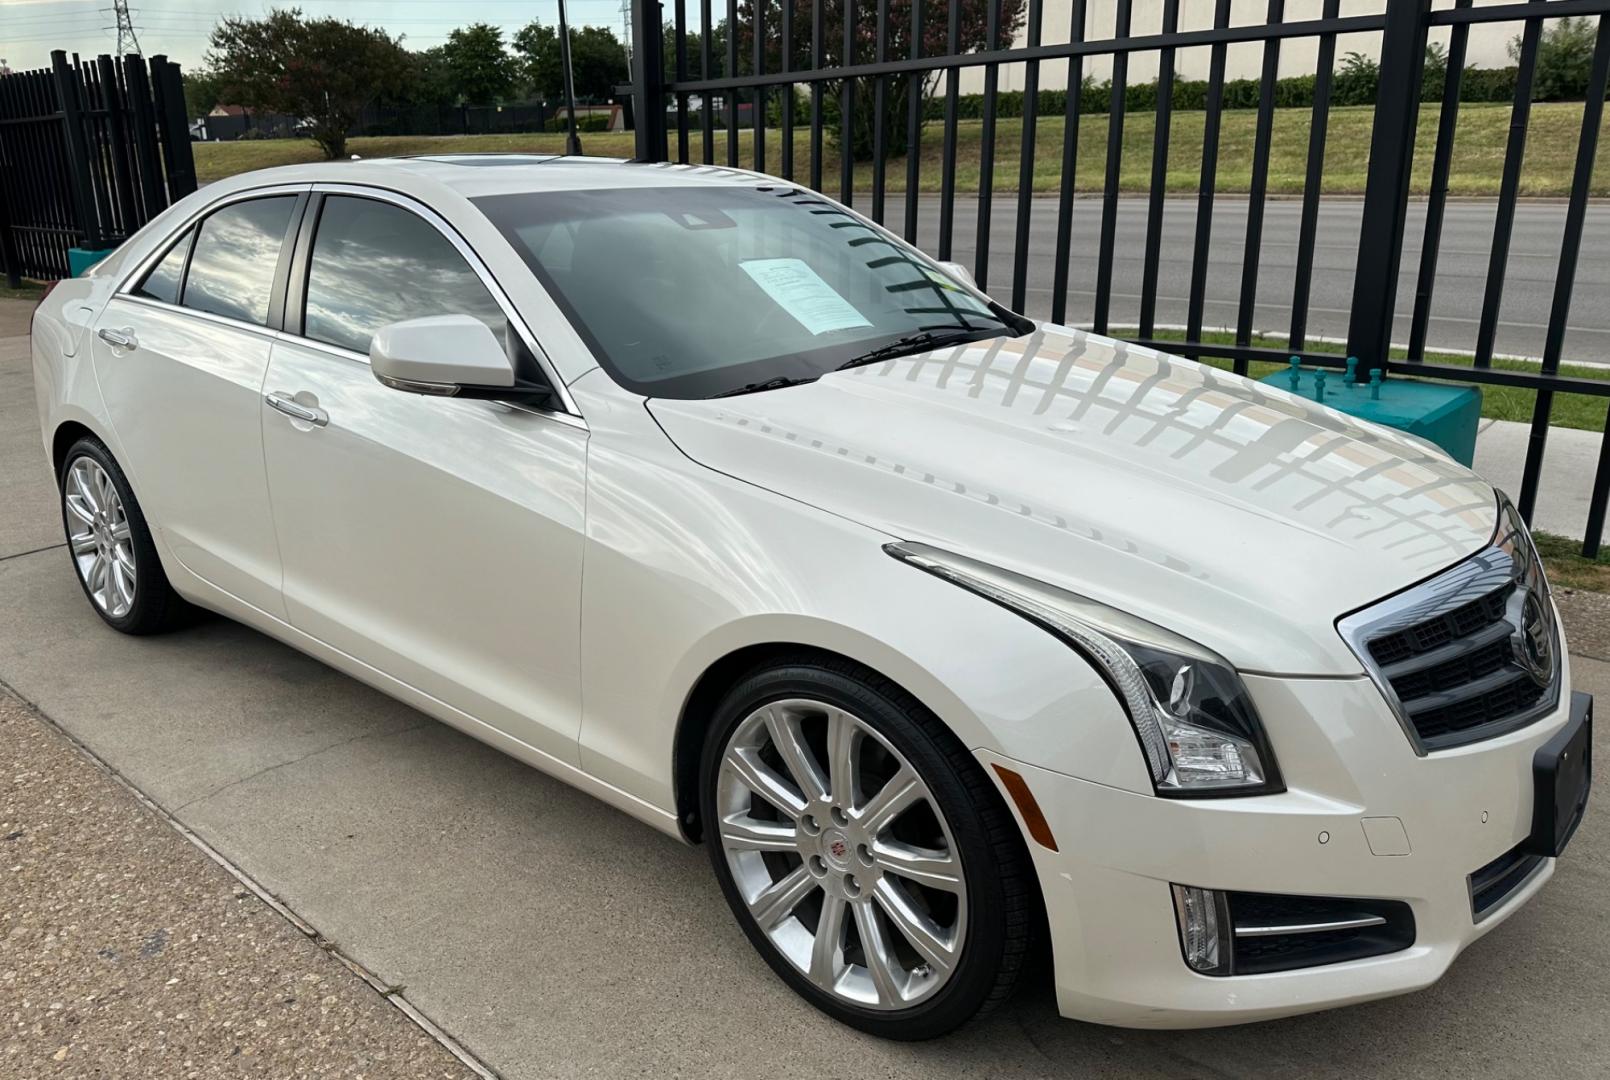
555 937
1570 463
125 951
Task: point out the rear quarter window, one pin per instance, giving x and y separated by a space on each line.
163 280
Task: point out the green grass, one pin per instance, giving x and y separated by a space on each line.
1567 569
1477 164
31 290
1497 402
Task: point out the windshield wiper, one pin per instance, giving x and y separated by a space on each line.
756 387
921 341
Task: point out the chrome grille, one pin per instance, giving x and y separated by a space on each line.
1471 653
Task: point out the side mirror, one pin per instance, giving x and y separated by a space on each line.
446 356
959 272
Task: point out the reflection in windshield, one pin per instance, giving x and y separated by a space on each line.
232 269
697 290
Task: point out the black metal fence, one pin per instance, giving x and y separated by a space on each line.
790 39
379 119
89 152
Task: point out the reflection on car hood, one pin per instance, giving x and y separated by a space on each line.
1240 515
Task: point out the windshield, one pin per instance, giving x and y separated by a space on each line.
690 292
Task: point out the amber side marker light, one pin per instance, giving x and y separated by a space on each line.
1033 816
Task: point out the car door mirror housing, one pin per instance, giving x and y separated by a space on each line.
448 356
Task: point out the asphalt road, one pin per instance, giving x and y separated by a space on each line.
1457 299
557 938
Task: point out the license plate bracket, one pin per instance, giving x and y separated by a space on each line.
1562 772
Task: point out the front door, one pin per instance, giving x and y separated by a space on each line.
437 540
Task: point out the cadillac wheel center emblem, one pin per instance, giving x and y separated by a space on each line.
1534 649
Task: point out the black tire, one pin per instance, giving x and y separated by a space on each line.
156 607
1003 909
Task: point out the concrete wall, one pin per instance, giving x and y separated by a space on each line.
1487 41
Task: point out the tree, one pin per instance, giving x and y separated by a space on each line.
431 82
480 69
201 91
1358 80
597 61
935 24
1435 73
1564 58
323 70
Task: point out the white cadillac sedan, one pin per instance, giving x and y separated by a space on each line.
955 638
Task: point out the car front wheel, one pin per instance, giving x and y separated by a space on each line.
863 849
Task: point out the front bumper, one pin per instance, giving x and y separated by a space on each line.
1348 766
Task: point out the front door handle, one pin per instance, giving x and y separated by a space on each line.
122 339
288 405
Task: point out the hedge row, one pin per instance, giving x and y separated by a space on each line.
1297 91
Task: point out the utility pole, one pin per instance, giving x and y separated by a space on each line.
126 41
572 139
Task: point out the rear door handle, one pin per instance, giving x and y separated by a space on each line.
122 339
288 405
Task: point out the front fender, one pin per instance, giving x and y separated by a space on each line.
686 566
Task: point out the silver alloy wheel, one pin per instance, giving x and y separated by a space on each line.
850 870
98 531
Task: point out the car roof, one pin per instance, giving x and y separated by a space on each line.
476 175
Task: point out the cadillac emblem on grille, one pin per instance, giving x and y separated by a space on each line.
1470 653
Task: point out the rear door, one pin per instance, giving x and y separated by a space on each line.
435 539
180 352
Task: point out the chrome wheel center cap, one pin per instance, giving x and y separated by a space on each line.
836 849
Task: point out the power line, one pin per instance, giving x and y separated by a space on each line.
126 41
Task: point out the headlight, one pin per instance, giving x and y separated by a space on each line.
1191 712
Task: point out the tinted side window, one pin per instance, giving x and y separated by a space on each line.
162 283
232 270
375 263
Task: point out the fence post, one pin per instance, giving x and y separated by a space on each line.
648 80
72 117
1386 186
181 161
10 258
115 101
153 191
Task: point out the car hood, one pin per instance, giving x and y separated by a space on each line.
1230 511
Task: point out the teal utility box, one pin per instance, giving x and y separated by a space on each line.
81 259
1443 414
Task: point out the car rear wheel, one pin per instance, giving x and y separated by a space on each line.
111 545
863 850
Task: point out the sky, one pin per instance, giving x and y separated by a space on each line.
30 29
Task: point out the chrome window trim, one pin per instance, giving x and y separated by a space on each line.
1466 580
351 357
126 286
470 256
205 316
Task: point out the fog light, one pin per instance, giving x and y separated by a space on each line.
1204 921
